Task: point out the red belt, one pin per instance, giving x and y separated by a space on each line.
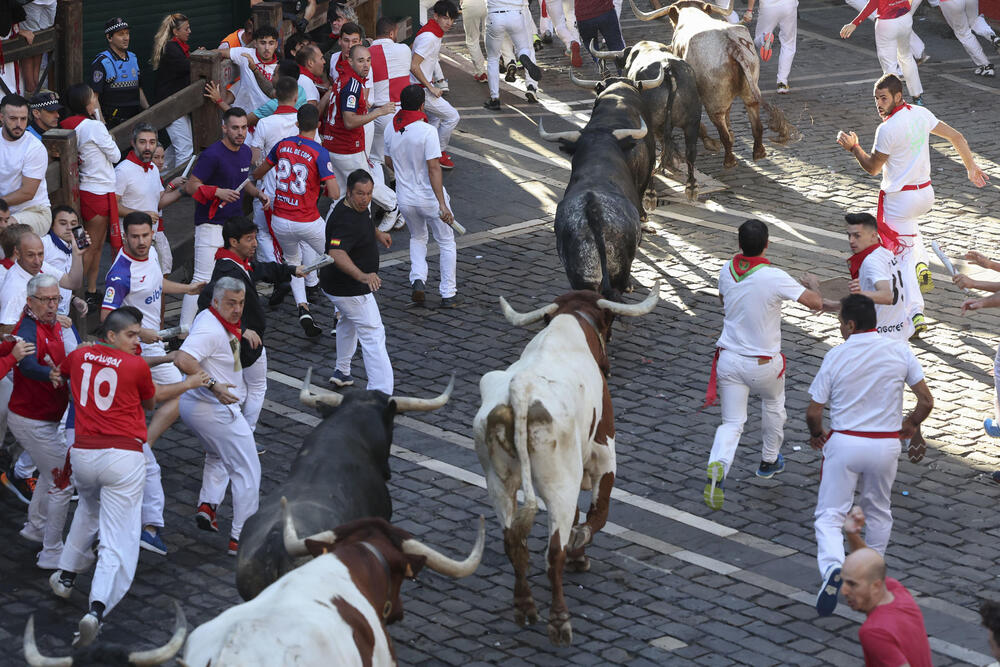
870 434
712 393
889 236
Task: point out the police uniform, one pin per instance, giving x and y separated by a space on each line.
117 82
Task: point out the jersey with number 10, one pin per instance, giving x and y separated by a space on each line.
301 165
108 388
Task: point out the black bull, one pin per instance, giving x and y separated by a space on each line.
338 475
597 223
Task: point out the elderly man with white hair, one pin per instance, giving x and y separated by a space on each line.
213 412
36 408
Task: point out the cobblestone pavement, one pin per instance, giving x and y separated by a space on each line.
671 582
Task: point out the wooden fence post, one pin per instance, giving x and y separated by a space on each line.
61 145
69 66
206 120
269 13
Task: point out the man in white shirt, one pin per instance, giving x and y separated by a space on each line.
312 67
390 72
862 381
262 58
917 48
58 245
426 53
413 152
748 355
29 260
214 414
901 153
780 15
504 20
25 161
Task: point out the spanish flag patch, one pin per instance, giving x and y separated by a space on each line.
335 242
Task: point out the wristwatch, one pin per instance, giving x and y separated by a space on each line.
211 383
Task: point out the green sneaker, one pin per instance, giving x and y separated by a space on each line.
919 325
714 495
924 278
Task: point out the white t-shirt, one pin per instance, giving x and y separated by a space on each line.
269 131
137 283
905 138
24 157
139 189
862 381
62 262
98 155
752 323
218 352
14 292
428 46
410 150
250 96
309 87
881 265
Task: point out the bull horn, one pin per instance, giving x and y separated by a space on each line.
634 134
524 319
409 404
158 656
650 83
447 566
307 397
589 84
633 309
605 55
648 16
32 654
293 544
571 135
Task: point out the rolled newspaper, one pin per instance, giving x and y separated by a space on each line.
324 260
187 169
457 227
243 185
945 260
173 332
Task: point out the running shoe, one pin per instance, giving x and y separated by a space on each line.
574 55
451 301
30 535
152 542
922 59
765 48
919 100
89 626
234 547
826 599
924 277
783 88
714 495
23 489
60 585
481 78
417 294
547 38
919 325
493 104
442 84
996 476
205 518
308 324
445 161
996 43
531 68
341 379
768 470
511 75
531 94
991 427
985 70
537 43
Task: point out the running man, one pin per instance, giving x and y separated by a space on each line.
783 16
426 52
893 29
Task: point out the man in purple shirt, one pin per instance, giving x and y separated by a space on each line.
217 183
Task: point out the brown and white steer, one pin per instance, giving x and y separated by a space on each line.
547 423
334 609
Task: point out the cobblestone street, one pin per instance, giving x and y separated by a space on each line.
671 582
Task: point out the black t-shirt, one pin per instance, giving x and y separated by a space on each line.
354 233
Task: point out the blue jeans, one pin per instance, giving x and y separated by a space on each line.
607 24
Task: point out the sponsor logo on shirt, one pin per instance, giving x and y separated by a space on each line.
109 295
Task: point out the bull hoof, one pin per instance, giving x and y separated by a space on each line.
560 630
691 191
759 153
730 161
579 537
579 563
525 612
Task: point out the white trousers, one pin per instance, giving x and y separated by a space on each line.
892 43
473 18
418 220
916 44
109 483
255 377
6 389
293 236
845 459
207 239
268 249
377 152
562 14
382 194
738 376
498 26
230 455
443 116
360 321
901 211
153 498
47 511
783 15
181 142
960 15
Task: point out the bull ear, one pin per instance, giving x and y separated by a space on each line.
673 13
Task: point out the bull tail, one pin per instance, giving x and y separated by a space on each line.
749 65
592 210
525 514
778 123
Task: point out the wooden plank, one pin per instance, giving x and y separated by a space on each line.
160 115
19 49
69 20
206 120
61 145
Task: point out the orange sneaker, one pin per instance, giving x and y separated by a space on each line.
445 161
765 49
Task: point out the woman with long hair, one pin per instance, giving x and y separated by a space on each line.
98 202
172 61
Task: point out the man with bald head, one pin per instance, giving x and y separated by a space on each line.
893 634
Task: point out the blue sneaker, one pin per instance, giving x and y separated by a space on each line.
341 379
991 427
714 495
996 476
768 470
152 542
826 599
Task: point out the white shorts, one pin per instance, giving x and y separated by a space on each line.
39 17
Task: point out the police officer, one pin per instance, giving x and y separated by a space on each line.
115 76
45 108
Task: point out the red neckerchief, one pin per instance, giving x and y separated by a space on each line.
7 262
904 105
71 122
404 118
742 266
343 67
233 329
318 80
131 157
855 260
431 27
184 47
225 253
284 108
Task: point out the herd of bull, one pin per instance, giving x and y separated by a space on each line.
545 426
